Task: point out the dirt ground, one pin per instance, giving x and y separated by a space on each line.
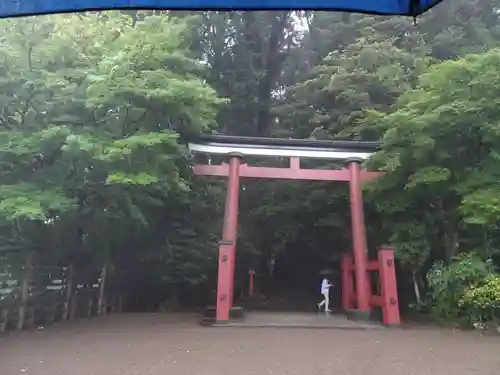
146 344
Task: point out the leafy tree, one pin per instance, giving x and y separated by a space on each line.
366 75
245 52
93 108
439 157
448 283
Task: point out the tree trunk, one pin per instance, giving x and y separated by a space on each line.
73 306
272 65
25 292
4 319
90 305
101 305
69 292
450 243
416 288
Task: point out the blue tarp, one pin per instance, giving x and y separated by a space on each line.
13 8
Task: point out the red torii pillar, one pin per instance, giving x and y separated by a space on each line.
227 247
360 251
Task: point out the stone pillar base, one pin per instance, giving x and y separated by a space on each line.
236 313
359 315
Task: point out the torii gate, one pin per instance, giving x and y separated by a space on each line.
356 292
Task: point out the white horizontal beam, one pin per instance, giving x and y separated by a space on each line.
276 151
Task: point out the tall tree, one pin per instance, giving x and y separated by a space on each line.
92 110
245 52
440 161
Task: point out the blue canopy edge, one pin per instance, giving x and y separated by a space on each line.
17 8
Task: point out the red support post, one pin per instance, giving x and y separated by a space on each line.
363 290
230 228
388 287
347 282
227 249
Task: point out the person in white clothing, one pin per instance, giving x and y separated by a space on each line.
325 291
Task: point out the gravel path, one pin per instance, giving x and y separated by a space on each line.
145 344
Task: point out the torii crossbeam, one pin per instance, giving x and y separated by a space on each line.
293 149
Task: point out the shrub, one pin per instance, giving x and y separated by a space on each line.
447 283
482 302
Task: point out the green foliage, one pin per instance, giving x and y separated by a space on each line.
412 247
246 52
448 283
427 176
482 302
93 108
439 155
24 201
147 68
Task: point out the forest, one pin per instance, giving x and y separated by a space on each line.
96 108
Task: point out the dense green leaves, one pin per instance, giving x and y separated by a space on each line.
440 144
104 111
448 284
368 74
93 107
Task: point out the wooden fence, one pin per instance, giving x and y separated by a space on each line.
34 294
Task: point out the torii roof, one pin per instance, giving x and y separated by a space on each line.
281 147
